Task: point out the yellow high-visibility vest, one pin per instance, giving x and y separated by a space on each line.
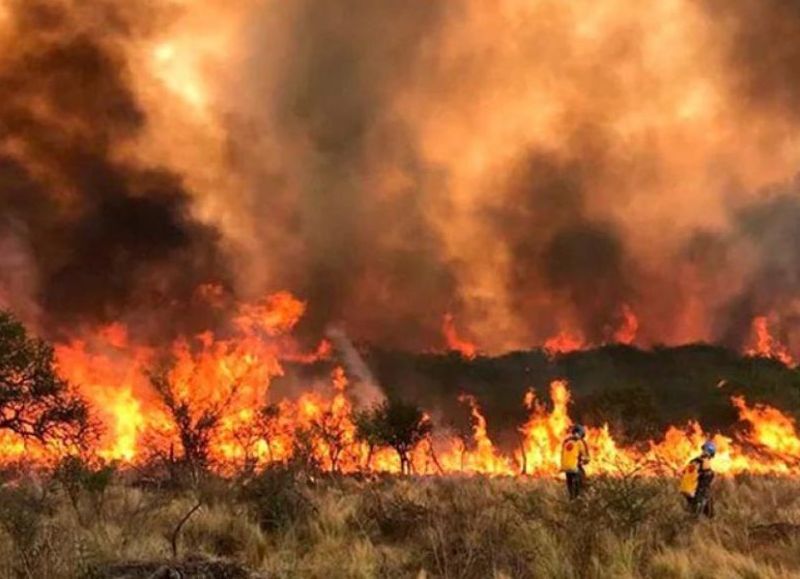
573 452
690 477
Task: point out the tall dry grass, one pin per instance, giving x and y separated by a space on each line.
279 525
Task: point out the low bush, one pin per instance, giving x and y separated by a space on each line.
278 499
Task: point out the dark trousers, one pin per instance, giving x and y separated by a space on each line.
575 483
700 504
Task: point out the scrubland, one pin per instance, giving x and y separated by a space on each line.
281 524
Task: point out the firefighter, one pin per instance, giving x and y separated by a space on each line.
696 481
574 456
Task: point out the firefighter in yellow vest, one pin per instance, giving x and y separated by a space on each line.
696 481
574 456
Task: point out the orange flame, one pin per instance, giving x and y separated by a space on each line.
563 343
456 343
543 433
626 333
765 345
484 457
234 375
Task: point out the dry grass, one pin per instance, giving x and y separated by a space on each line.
409 528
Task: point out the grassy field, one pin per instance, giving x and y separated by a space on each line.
276 525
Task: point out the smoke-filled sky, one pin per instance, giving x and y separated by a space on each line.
529 166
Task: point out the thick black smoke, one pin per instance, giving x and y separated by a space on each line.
557 249
108 237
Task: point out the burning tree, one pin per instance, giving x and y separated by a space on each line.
334 427
35 402
194 427
211 390
397 424
255 437
332 430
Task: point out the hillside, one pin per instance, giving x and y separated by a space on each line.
639 393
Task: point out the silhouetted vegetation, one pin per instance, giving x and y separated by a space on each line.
397 424
35 403
639 393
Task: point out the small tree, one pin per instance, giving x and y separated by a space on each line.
195 426
255 432
397 424
304 460
331 429
368 431
36 403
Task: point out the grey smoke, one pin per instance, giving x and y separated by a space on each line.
366 390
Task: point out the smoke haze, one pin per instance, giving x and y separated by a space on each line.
529 166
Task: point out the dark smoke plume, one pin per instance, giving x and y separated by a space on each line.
107 236
768 233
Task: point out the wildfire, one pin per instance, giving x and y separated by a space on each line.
567 341
543 433
220 386
484 457
456 343
563 343
766 345
111 375
770 428
626 333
